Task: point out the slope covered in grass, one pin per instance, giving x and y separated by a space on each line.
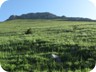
73 41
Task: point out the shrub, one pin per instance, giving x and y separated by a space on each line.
29 31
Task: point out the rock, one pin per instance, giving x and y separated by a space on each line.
57 58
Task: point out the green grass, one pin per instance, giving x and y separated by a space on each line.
73 41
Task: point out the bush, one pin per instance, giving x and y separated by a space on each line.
29 31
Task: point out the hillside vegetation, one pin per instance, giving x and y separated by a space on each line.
27 45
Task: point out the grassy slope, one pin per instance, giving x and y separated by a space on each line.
74 42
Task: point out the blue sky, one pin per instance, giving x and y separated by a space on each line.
70 8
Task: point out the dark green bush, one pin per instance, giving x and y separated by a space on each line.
29 31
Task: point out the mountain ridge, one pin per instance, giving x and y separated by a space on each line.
47 15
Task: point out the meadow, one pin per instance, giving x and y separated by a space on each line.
73 41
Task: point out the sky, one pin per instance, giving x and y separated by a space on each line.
69 8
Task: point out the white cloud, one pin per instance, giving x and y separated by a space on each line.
1 2
93 2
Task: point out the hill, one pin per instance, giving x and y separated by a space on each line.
47 15
44 15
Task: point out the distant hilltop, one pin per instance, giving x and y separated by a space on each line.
47 15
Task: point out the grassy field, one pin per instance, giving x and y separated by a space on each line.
73 41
